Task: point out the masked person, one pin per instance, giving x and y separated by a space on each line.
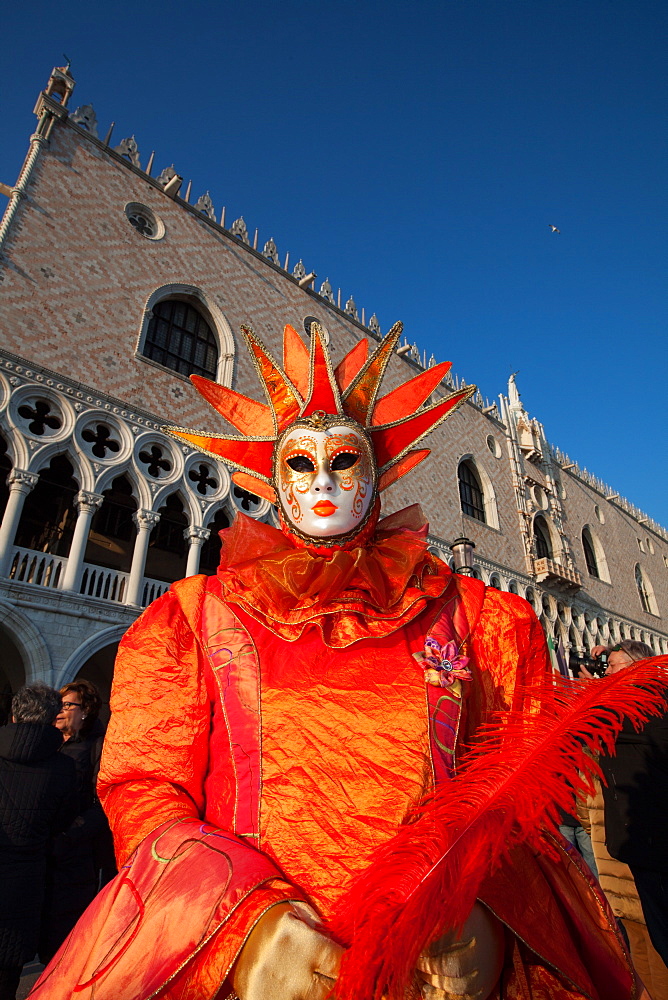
274 724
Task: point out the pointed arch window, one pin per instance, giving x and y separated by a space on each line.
470 492
542 539
210 554
112 531
645 592
49 513
180 338
167 547
590 554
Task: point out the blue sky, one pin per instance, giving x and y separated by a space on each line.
415 154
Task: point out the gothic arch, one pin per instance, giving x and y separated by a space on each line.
223 504
219 324
17 447
92 645
83 471
140 487
191 508
574 638
166 558
29 642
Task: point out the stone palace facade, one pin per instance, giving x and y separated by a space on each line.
115 284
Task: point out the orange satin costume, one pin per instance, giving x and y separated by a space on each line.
267 734
272 726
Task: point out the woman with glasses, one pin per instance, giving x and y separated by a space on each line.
84 849
78 711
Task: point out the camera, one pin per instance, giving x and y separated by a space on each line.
598 665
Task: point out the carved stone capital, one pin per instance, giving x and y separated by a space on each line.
20 481
196 533
146 520
88 501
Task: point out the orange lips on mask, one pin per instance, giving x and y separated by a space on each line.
324 508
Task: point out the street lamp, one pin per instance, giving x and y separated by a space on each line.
462 551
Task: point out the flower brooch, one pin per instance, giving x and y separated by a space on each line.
442 665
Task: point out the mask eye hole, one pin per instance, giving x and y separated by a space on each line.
300 463
344 460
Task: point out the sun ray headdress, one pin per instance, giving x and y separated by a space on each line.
308 391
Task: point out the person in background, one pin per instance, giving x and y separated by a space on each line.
630 830
572 828
85 849
37 800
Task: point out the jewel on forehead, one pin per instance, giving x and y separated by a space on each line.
316 420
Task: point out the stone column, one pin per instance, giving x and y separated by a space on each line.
20 484
146 521
195 536
87 504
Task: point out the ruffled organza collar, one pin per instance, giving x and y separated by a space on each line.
348 594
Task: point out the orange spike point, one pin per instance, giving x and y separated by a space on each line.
296 360
392 441
358 400
247 415
323 390
254 485
404 465
254 457
281 393
349 367
407 397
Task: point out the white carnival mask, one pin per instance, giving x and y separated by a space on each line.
325 480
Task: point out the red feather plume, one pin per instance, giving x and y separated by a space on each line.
424 881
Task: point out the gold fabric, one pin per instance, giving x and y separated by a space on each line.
468 966
287 958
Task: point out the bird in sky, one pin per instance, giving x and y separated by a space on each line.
554 228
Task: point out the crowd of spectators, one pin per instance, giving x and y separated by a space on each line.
81 858
55 843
